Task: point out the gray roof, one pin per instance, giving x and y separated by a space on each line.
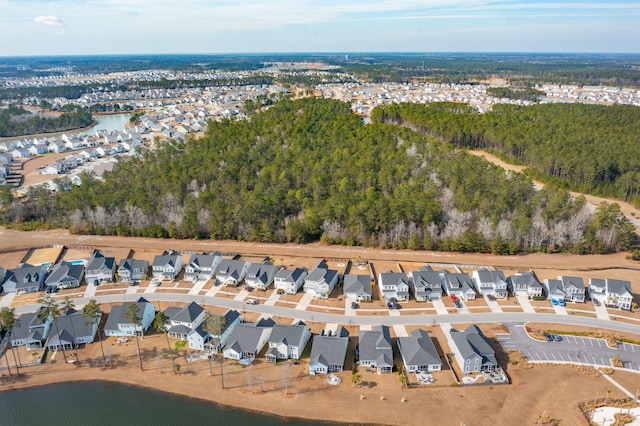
229 317
427 278
322 274
526 279
262 271
393 278
245 337
118 314
187 313
71 326
26 324
291 275
200 261
357 284
290 335
98 261
418 349
472 341
330 350
180 329
25 271
230 268
131 264
375 345
65 271
619 287
571 281
486 276
598 283
166 259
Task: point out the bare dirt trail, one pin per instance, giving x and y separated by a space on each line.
632 213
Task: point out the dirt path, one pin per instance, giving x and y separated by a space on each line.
632 213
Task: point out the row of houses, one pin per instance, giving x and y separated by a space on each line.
244 342
425 284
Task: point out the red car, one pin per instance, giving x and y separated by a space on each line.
454 299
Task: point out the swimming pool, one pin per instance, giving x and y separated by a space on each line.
77 262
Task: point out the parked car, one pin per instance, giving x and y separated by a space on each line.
554 302
549 337
390 305
354 305
562 303
557 337
96 282
596 302
252 302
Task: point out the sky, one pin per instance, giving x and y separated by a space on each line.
80 27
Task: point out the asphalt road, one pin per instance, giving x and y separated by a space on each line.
367 320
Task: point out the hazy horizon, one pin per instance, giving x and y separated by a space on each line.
148 27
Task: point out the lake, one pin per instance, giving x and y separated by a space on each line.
109 122
103 403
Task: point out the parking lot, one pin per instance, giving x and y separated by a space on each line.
571 349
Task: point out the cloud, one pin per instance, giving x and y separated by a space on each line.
49 21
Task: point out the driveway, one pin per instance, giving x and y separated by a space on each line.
572 349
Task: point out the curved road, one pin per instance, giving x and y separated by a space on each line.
367 320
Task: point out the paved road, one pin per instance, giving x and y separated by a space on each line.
572 349
368 320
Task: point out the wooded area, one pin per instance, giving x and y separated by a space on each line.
310 170
16 121
588 148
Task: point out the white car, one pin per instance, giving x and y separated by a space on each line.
156 282
252 302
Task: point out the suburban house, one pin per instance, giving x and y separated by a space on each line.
24 279
100 269
119 325
133 269
166 266
247 340
613 293
231 272
357 287
328 352
182 321
570 289
71 330
202 267
30 331
490 283
425 284
261 275
202 340
524 284
472 351
321 280
64 275
458 284
289 281
375 349
418 352
393 285
287 341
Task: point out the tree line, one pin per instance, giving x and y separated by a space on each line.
587 148
309 170
16 121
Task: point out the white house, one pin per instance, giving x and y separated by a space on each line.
289 281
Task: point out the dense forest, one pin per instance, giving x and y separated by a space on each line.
309 170
589 148
16 121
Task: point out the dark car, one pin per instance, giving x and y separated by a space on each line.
557 337
549 337
396 305
390 305
354 305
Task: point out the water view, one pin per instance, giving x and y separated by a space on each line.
110 122
104 403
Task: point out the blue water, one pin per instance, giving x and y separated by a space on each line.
77 262
104 404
